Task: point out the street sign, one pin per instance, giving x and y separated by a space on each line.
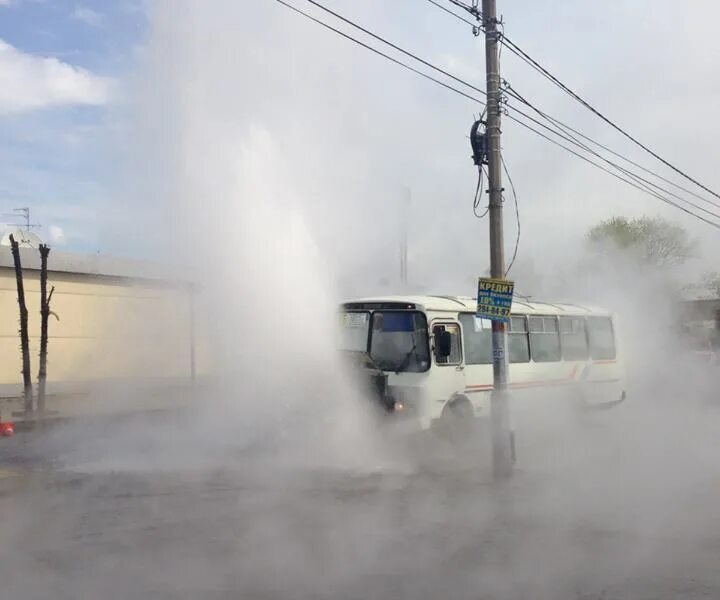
494 299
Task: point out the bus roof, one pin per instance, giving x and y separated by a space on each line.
468 304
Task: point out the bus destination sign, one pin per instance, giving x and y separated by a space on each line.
494 299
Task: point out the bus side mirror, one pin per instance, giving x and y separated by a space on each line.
443 344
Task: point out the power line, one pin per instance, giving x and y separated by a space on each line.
640 182
564 126
567 127
378 52
478 195
468 96
515 49
394 46
517 216
473 10
475 88
644 183
457 16
518 52
629 182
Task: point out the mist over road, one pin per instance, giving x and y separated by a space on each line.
622 504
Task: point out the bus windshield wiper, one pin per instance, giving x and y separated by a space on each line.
372 362
406 360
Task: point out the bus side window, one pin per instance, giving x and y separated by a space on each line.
602 338
544 339
518 342
477 339
573 338
455 357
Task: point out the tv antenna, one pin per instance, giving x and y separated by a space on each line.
23 213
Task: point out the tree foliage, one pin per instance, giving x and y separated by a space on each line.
653 241
710 283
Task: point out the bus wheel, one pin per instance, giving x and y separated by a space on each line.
457 419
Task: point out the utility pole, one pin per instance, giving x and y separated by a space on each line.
502 439
487 149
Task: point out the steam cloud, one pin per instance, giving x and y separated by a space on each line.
278 483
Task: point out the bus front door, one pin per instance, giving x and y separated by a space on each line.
449 376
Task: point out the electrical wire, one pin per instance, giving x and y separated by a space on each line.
640 182
500 49
602 168
470 97
644 183
478 195
379 53
447 10
568 128
517 215
395 47
515 49
473 10
520 53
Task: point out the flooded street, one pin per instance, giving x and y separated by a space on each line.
616 507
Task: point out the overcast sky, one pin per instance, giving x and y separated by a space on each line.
95 98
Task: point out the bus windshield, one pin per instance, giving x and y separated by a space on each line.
396 340
354 331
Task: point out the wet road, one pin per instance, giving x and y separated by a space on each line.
623 506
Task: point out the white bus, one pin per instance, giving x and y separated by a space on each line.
432 357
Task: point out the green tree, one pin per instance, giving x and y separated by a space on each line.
710 283
653 241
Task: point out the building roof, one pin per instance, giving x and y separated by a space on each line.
26 239
97 265
468 304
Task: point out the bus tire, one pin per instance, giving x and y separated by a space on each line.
457 418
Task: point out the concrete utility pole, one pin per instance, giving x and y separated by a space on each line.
502 442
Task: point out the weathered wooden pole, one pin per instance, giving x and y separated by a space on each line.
44 315
24 338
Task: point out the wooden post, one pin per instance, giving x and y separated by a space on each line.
24 339
44 315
